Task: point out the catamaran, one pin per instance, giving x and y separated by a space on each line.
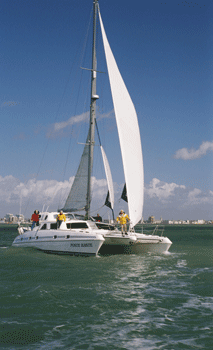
79 198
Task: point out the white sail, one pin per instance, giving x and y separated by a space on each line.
129 135
108 177
76 200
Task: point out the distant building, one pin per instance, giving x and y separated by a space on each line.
14 218
20 217
151 220
178 222
10 218
186 222
199 222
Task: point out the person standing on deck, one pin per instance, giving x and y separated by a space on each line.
35 219
98 218
122 220
60 217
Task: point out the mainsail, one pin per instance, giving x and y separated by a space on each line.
76 199
129 135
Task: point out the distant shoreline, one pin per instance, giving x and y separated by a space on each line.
138 225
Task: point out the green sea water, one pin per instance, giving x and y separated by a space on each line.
109 302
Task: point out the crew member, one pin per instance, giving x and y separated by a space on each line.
60 217
122 220
35 219
98 218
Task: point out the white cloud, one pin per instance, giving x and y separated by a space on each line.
33 193
60 128
169 200
162 190
99 187
57 128
107 115
173 201
197 197
172 193
10 104
7 186
188 154
71 121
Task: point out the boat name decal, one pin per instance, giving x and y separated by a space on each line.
80 244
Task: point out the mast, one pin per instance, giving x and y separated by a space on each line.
94 97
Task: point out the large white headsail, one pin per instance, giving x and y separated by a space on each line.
129 135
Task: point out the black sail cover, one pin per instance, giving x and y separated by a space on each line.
107 202
124 194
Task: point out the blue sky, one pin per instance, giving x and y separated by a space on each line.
164 53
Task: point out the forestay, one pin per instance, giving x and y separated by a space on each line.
129 135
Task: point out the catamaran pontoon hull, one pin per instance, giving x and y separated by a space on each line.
134 244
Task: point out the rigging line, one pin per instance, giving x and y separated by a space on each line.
81 60
75 59
57 112
86 38
62 195
77 101
97 210
103 213
65 168
98 132
70 139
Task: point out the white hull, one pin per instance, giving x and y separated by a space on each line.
134 243
80 245
86 241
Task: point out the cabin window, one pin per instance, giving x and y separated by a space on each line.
77 225
70 216
46 217
53 226
105 226
93 225
44 227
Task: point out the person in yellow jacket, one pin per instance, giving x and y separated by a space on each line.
122 220
60 218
